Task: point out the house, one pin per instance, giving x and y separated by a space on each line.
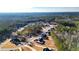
40 41
21 29
44 35
15 40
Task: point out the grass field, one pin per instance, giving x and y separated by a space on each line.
58 44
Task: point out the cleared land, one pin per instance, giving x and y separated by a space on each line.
49 43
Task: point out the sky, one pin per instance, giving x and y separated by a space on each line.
15 5
37 6
55 9
42 9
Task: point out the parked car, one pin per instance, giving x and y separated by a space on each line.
47 49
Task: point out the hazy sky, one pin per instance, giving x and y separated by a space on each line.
42 9
46 9
55 9
37 6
